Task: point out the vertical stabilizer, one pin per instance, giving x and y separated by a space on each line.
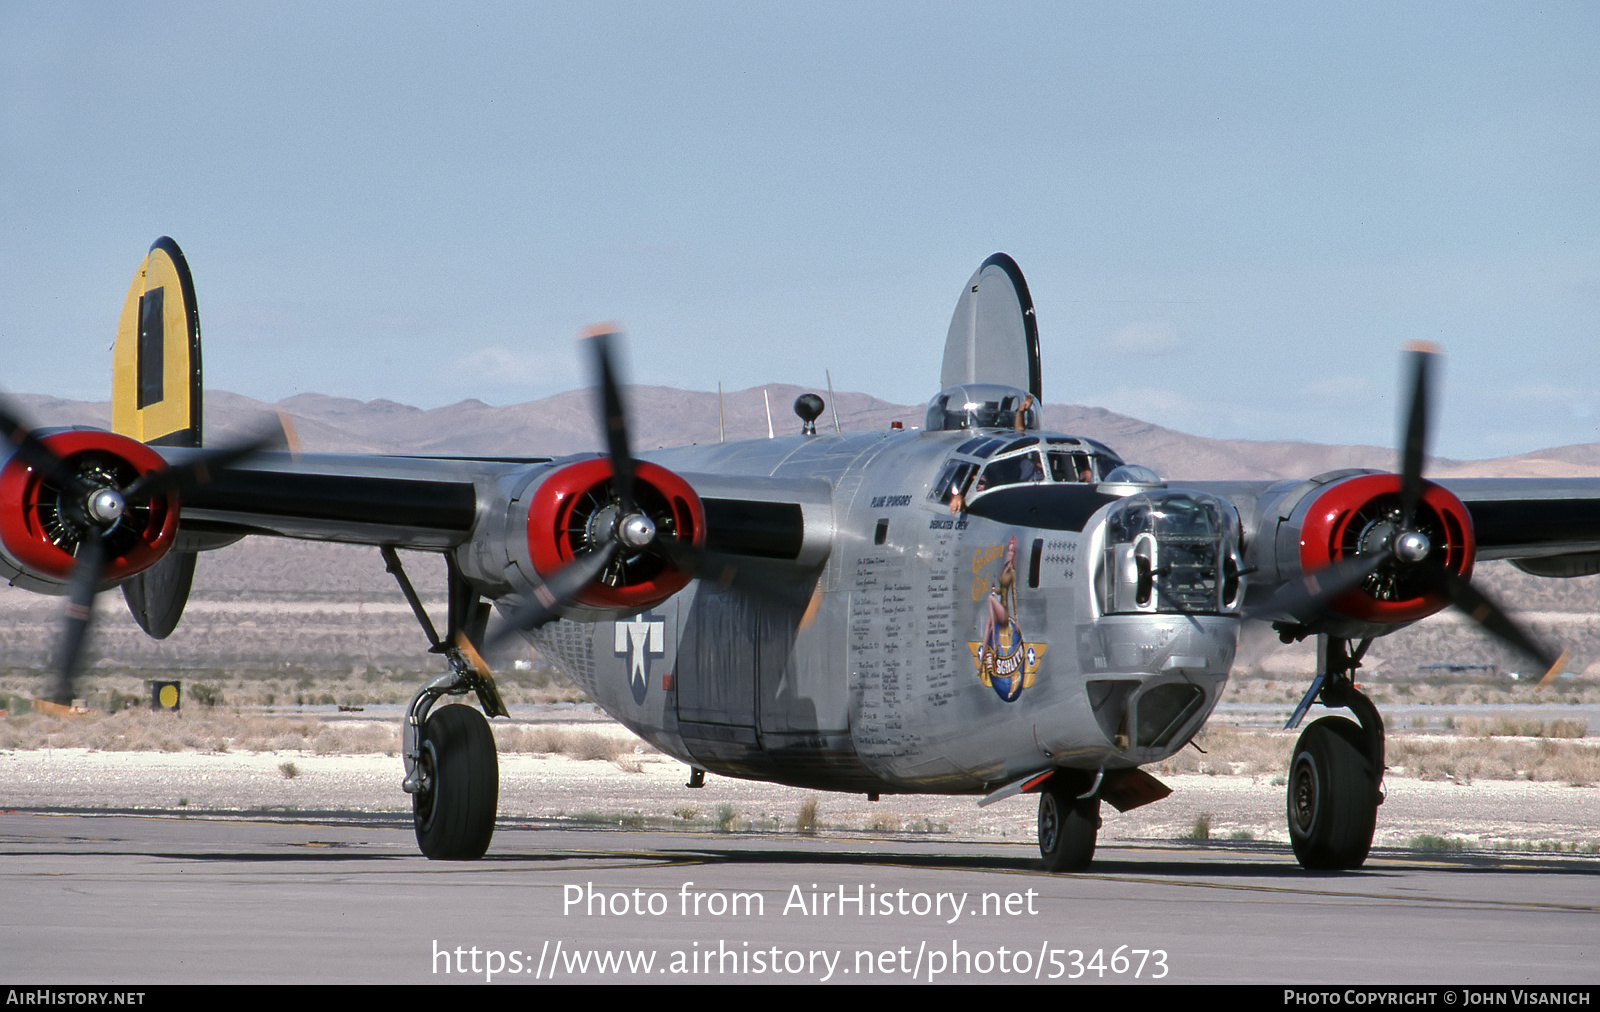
155 380
993 336
156 399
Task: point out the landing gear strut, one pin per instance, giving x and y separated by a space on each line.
1069 822
452 771
1336 774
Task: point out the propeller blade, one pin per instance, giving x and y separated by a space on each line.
200 469
1415 445
1494 619
613 417
38 456
1314 590
680 555
556 593
85 583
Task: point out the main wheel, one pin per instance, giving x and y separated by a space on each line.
456 807
1333 797
1067 827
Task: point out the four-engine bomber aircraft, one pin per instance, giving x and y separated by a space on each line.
976 607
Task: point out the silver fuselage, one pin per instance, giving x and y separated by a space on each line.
860 664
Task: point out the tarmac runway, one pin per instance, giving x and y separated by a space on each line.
343 897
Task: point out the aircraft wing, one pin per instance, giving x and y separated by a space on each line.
407 502
1531 518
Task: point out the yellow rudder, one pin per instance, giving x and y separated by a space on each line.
155 375
156 399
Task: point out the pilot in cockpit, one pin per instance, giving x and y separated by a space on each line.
1031 468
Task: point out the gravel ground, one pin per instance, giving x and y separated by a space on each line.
549 786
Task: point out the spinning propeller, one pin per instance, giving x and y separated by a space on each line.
96 507
618 529
1405 547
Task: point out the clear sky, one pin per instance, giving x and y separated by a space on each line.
1231 215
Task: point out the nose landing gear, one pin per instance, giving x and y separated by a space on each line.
1068 823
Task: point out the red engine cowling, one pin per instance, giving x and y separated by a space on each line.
1357 516
571 509
41 527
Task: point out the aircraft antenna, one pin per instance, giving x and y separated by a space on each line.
722 432
769 411
831 404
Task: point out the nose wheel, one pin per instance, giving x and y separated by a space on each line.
1068 824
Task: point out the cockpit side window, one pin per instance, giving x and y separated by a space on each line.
952 480
987 448
982 446
1066 466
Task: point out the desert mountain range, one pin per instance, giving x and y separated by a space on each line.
661 416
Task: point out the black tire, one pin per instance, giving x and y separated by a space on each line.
1068 826
455 813
1333 798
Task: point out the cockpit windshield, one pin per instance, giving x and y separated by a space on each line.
1171 552
987 463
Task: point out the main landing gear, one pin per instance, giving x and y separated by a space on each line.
452 770
1336 774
